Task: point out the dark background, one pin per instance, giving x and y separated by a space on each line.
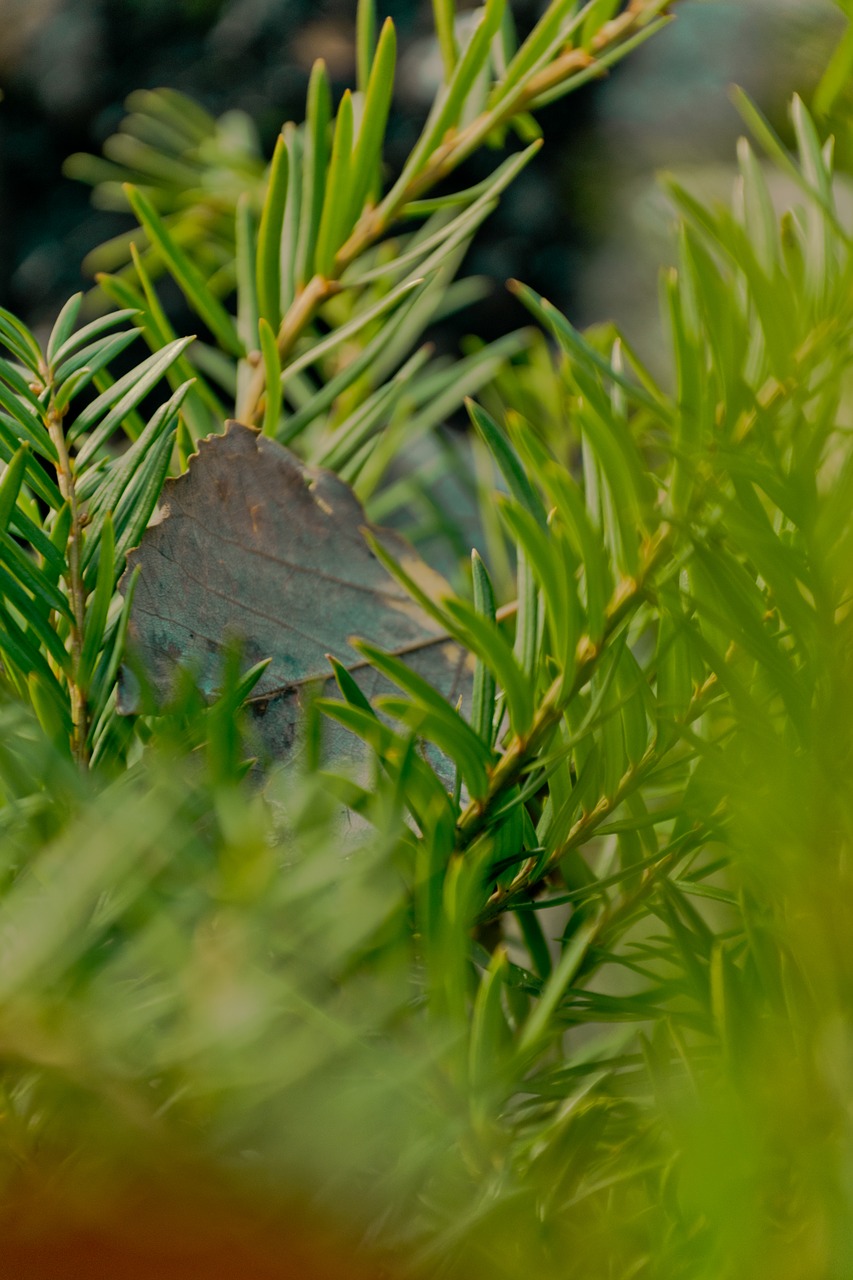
570 224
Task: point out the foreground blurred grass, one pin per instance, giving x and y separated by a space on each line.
211 1010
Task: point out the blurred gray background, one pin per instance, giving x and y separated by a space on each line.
582 225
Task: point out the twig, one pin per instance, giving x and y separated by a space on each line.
523 749
76 589
457 146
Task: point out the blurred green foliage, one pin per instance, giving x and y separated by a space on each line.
586 1012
